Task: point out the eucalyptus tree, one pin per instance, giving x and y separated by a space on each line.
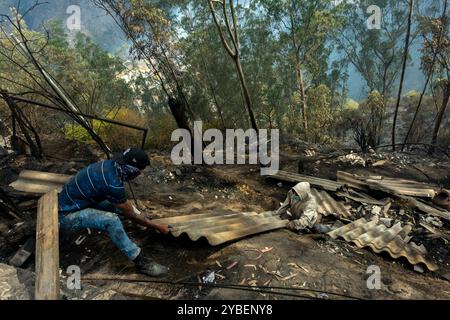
306 28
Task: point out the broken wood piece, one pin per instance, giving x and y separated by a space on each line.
267 282
220 276
325 184
266 249
24 253
444 214
39 182
7 205
250 266
434 232
289 277
232 265
386 208
47 248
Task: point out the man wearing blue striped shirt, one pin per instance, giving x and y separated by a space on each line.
95 196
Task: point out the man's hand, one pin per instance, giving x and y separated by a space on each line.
163 229
129 211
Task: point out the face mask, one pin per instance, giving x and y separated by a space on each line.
127 173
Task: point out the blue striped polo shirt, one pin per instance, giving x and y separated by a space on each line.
96 183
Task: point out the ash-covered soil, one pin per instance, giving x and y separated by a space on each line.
274 259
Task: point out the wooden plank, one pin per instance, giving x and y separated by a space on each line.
39 182
351 180
47 248
444 214
325 184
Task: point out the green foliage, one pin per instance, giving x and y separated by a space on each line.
321 115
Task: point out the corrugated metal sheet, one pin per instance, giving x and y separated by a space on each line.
222 228
39 182
390 185
361 197
378 237
314 181
327 205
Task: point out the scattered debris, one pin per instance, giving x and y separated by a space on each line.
80 240
289 277
232 265
209 278
352 159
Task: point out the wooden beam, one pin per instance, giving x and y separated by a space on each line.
47 248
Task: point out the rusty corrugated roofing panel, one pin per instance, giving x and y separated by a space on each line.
222 228
39 182
390 185
327 205
314 181
378 237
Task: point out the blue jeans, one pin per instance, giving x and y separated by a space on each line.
103 218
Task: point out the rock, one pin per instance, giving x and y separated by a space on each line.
279 184
178 172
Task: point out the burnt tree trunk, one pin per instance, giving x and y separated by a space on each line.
405 57
440 116
35 147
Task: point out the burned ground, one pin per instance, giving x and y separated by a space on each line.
273 259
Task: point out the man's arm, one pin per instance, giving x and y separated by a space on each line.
129 212
282 211
307 220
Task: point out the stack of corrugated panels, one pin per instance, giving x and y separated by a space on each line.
390 185
378 237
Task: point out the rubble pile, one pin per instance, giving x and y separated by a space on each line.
401 217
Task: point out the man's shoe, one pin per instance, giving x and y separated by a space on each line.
150 267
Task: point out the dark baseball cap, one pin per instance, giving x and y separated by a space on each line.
134 157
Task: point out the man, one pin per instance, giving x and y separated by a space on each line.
94 197
300 207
